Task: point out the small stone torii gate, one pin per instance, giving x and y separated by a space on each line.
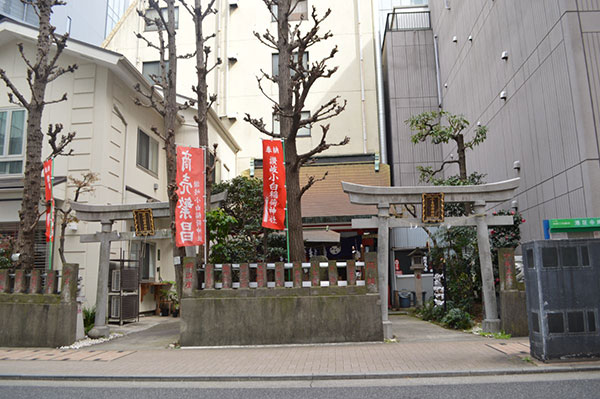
480 196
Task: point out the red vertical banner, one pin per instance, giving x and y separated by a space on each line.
49 200
190 217
274 191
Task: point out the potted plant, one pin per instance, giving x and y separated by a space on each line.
165 299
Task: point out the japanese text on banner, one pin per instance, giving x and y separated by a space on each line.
190 211
274 191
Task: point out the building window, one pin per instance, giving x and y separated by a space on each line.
302 132
152 15
145 253
152 68
147 153
12 137
275 62
299 10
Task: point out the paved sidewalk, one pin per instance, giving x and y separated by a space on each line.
438 352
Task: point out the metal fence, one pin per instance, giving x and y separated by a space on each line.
408 20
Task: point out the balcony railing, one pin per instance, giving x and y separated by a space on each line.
408 20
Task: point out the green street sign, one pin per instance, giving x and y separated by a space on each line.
557 225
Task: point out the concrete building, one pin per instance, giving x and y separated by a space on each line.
352 25
526 69
114 138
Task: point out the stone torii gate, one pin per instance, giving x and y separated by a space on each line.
107 215
479 196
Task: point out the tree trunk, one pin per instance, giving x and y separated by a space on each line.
462 167
29 214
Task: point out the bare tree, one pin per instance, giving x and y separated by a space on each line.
295 77
43 70
162 97
82 185
203 100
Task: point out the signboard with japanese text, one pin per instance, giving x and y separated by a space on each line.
274 191
433 208
143 222
575 224
190 217
49 201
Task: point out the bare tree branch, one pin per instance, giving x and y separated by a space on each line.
14 91
58 148
259 124
322 146
311 181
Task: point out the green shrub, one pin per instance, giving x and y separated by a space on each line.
458 319
89 316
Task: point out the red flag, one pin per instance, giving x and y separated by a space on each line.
190 215
274 191
49 198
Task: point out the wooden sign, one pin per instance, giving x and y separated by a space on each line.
144 222
433 208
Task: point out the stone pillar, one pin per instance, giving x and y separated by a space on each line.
4 279
371 277
491 322
297 272
315 279
20 282
244 275
383 247
351 272
209 276
100 328
35 283
279 275
50 287
261 275
226 275
418 269
190 276
68 287
333 273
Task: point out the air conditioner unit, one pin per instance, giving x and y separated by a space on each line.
115 307
115 281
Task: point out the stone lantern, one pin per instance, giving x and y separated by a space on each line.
416 261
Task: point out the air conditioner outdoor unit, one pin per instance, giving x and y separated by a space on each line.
115 281
115 307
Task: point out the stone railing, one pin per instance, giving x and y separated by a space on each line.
279 275
34 313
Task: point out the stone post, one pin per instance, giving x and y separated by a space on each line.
333 273
4 281
383 247
351 272
226 275
100 328
50 287
315 279
190 276
20 282
209 276
35 283
297 272
244 275
279 275
418 269
261 275
68 287
491 322
371 277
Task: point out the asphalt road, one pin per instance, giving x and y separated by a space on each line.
546 386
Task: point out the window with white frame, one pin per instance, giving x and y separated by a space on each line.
147 153
152 68
12 141
299 10
152 15
302 132
275 62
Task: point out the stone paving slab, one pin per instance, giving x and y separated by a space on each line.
60 355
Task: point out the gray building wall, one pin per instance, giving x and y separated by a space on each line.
410 82
549 120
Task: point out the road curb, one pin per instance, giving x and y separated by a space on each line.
301 377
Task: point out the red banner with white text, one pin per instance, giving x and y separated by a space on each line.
49 201
274 191
190 217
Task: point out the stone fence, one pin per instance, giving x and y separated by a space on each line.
33 312
279 303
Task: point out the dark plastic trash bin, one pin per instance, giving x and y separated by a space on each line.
404 299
